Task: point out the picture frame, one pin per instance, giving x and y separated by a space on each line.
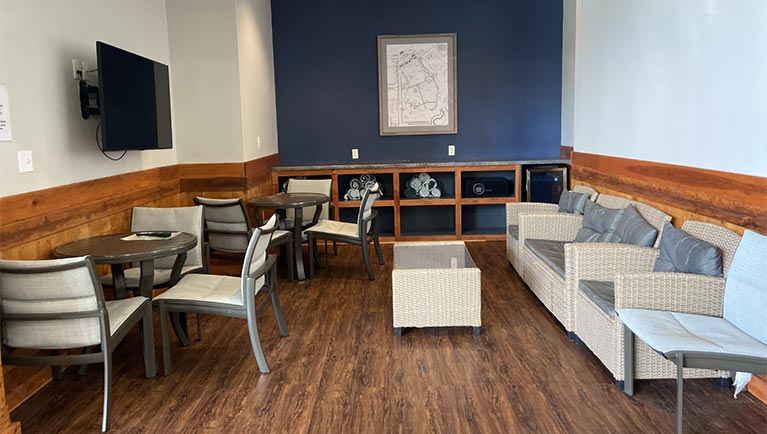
417 91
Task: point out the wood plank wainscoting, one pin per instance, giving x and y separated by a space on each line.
32 224
735 201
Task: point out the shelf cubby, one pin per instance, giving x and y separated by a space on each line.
483 219
427 221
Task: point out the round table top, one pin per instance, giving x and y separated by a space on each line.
288 200
111 249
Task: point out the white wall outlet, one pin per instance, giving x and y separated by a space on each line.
451 150
258 141
355 154
78 70
25 161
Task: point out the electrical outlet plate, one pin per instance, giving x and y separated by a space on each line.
77 70
451 150
355 154
25 161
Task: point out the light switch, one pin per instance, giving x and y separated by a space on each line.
451 150
25 161
355 153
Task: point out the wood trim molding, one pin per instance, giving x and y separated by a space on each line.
738 199
565 152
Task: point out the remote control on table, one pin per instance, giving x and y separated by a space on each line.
158 234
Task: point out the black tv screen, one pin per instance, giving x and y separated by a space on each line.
134 98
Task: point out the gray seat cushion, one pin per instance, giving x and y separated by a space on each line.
551 252
599 224
572 202
671 332
683 253
514 231
601 294
633 229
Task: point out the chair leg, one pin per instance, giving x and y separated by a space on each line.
57 370
628 361
84 368
198 317
166 362
255 342
289 255
311 256
366 258
378 250
276 307
335 248
679 391
146 329
317 256
105 419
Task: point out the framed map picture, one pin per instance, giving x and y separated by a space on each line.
416 84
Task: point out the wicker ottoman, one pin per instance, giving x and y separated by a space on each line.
435 284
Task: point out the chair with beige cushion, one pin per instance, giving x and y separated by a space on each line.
181 219
360 233
310 214
513 210
59 305
228 229
229 296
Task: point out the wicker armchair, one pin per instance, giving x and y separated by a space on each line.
556 288
636 286
513 210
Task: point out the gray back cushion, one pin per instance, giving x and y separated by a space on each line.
683 253
573 203
633 229
745 294
599 224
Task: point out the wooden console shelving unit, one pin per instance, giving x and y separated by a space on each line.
451 205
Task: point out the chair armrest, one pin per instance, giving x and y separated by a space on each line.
513 210
674 292
602 261
556 227
373 214
271 260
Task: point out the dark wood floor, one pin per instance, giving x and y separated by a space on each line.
342 370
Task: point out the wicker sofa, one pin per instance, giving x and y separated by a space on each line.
557 287
513 210
636 286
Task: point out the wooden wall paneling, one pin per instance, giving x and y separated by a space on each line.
736 199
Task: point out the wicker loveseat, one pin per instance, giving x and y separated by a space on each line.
513 210
636 286
553 275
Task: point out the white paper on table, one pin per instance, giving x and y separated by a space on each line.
740 381
134 237
5 115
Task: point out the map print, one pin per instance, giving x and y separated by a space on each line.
417 84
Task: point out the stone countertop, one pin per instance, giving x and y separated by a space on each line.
368 166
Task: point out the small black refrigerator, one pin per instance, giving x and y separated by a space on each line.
545 183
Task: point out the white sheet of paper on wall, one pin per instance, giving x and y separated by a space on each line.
5 115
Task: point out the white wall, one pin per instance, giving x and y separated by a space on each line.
38 40
257 93
682 82
206 80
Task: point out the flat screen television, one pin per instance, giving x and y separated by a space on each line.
134 99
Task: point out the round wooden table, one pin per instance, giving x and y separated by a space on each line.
297 202
114 251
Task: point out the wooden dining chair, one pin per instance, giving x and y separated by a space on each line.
228 229
229 296
360 233
59 305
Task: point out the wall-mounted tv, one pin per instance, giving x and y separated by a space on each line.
134 98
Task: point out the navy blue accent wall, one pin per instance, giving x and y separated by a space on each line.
326 72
